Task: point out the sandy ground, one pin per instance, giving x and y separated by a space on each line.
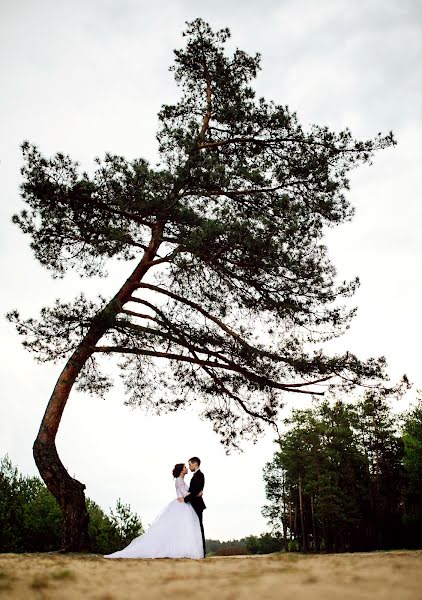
389 575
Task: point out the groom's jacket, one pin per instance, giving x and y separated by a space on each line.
196 485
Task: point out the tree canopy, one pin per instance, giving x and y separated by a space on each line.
236 292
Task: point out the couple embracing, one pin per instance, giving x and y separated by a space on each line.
177 531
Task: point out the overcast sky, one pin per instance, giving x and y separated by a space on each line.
85 77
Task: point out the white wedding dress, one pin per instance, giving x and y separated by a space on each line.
175 533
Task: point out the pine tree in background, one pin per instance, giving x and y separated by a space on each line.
232 285
346 477
383 450
412 442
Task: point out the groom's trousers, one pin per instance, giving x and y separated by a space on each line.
199 513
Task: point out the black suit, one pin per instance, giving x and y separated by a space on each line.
197 485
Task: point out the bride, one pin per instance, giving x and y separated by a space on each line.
175 533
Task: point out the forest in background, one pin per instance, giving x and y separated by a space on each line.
345 477
348 477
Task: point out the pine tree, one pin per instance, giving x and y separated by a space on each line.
412 460
383 449
231 285
354 476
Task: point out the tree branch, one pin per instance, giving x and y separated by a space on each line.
216 320
241 192
167 258
122 213
135 314
207 116
236 398
228 367
218 354
272 141
172 338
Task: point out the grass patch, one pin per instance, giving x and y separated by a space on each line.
4 581
292 558
310 579
39 582
63 574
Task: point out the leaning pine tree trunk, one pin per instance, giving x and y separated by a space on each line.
69 492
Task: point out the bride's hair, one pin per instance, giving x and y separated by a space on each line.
178 469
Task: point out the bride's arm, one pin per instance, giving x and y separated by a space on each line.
181 488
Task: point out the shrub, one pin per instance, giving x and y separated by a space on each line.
232 551
293 546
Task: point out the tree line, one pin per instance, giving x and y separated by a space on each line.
252 544
31 519
348 477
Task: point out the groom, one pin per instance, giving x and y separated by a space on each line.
196 485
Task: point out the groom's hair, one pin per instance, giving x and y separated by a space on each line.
196 460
